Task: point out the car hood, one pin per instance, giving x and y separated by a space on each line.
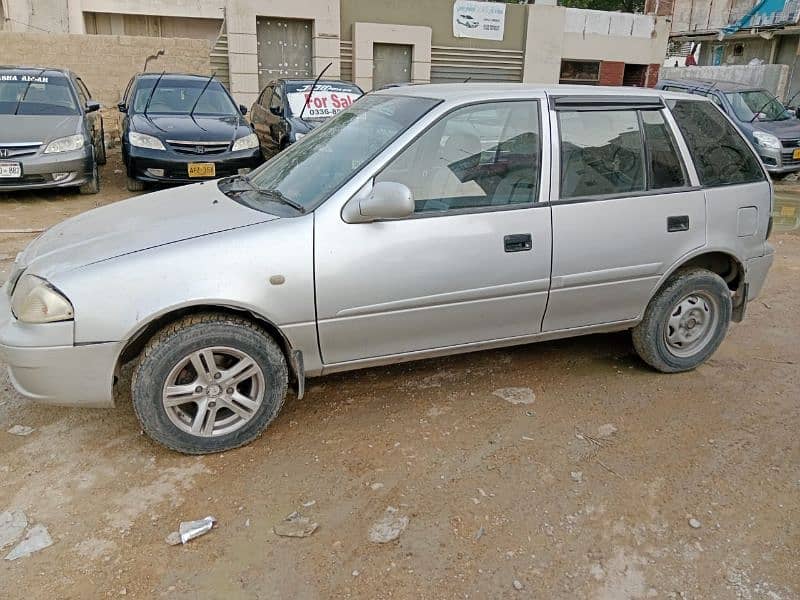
185 128
16 129
137 224
785 130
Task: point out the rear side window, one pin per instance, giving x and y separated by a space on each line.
601 153
664 166
720 155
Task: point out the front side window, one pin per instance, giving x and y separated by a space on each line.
276 102
308 172
601 153
720 155
36 93
486 155
178 96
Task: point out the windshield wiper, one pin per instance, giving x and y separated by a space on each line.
773 99
200 95
271 192
27 87
311 91
153 91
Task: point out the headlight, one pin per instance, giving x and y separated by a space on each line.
66 144
141 140
246 142
767 140
36 301
297 136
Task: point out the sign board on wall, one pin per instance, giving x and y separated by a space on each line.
481 20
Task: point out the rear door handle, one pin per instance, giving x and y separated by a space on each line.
680 223
518 242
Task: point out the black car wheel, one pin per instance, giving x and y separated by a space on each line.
134 185
93 185
100 148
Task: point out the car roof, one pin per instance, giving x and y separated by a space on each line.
291 80
465 92
36 69
172 76
707 84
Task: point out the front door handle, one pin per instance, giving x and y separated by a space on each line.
680 223
518 242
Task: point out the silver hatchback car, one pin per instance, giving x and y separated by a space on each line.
421 221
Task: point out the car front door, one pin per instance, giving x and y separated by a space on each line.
625 210
472 264
258 118
274 120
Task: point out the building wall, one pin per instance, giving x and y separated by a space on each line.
771 77
150 25
122 57
704 15
436 14
556 33
44 16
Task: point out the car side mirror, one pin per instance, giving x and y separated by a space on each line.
384 200
243 109
122 107
797 112
92 106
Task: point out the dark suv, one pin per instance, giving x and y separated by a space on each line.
183 128
51 133
771 127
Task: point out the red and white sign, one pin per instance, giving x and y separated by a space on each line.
323 103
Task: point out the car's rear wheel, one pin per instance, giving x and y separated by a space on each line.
685 322
93 185
209 383
134 185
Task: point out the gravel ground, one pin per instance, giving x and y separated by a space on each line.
598 478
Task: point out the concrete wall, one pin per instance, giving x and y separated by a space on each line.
436 14
104 62
707 15
555 32
46 16
770 77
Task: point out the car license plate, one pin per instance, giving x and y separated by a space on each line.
10 170
796 154
202 170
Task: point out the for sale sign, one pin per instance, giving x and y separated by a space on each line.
481 20
326 100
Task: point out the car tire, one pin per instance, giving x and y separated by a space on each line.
100 151
169 392
134 185
93 185
685 322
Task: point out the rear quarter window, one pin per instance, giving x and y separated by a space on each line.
720 155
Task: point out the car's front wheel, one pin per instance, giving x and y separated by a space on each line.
685 322
209 383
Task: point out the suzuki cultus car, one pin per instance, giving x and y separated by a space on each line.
421 221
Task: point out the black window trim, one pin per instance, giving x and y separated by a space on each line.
688 187
478 209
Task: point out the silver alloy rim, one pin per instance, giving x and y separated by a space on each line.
691 324
214 391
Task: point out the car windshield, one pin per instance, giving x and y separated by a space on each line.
309 171
745 105
177 97
36 93
328 99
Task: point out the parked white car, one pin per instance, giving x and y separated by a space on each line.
421 221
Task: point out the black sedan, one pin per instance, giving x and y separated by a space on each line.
288 109
183 128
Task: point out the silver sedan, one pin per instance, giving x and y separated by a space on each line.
421 221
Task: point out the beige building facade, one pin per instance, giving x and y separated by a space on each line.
369 42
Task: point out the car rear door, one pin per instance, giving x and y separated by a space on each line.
625 207
471 265
258 117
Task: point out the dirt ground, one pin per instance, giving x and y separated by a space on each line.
585 493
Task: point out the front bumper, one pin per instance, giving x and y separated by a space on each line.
176 166
44 365
755 272
779 162
38 169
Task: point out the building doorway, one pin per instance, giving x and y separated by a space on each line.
284 49
391 63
